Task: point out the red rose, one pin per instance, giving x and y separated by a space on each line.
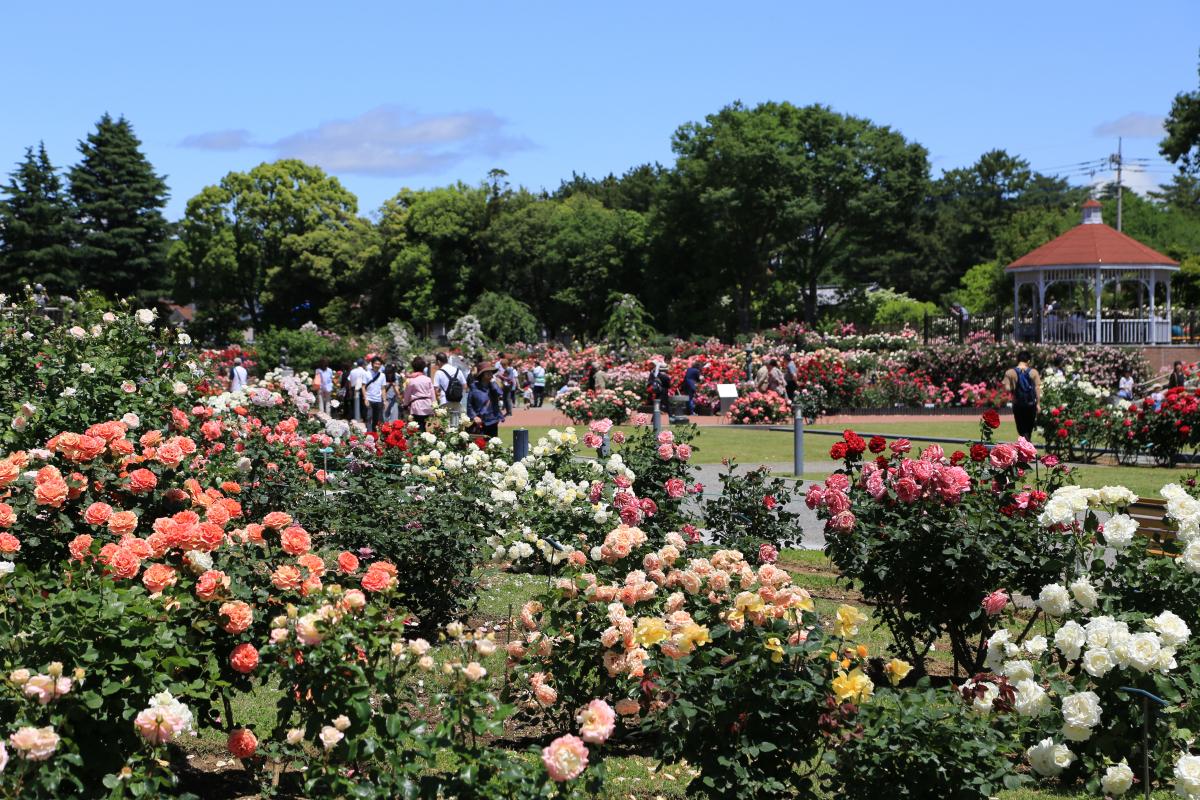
877 444
838 451
991 418
979 452
243 743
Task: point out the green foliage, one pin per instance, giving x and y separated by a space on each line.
984 287
896 309
922 742
751 510
628 323
35 227
305 348
504 319
1182 143
118 202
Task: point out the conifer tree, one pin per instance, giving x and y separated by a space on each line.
118 206
35 227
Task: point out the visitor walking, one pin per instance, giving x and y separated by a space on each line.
372 391
238 377
418 393
538 375
324 385
691 382
599 376
358 376
484 401
791 374
451 385
1025 385
393 390
1178 377
658 385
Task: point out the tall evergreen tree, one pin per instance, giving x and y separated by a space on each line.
119 201
35 227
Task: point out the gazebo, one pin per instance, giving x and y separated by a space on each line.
1095 255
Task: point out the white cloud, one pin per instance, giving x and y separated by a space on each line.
385 141
1135 125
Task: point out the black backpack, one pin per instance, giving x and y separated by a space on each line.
454 387
1026 393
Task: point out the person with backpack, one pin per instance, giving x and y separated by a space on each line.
451 386
1025 385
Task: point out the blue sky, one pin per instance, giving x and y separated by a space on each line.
387 95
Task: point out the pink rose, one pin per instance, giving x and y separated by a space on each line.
593 441
1026 449
666 437
838 481
683 452
596 722
601 426
244 658
565 758
675 488
842 523
901 446
837 502
1003 456
666 451
995 602
908 490
815 496
933 452
767 553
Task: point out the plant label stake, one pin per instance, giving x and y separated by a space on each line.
1147 710
520 444
798 443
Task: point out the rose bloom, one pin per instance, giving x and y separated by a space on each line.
353 600
377 580
238 614
80 547
596 722
683 452
97 513
347 562
565 758
295 541
210 584
286 578
627 707
242 743
666 452
9 544
313 563
34 744
330 736
158 577
277 520
995 602
124 564
123 523
244 658
159 725
1003 456
142 481
50 492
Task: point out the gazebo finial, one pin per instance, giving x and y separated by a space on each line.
1093 212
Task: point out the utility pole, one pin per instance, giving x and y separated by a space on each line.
1117 161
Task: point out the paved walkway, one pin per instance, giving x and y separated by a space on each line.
549 416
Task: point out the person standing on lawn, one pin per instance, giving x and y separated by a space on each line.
538 375
691 383
1024 384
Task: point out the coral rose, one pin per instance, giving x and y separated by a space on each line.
347 562
244 658
158 577
142 481
50 492
242 743
313 563
7 515
80 547
377 580
277 520
9 544
123 522
238 616
124 563
211 584
286 578
97 513
295 541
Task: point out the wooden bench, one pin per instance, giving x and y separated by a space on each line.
1150 516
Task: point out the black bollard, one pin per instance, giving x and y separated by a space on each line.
520 443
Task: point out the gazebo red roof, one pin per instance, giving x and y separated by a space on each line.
1092 244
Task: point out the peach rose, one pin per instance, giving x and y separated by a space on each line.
244 658
277 520
211 583
377 580
7 515
9 544
50 492
565 758
151 439
10 470
286 578
313 563
97 513
238 614
347 562
80 547
217 514
142 481
242 743
169 455
295 541
124 564
123 522
158 577
34 744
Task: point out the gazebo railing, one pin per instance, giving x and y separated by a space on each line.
1082 330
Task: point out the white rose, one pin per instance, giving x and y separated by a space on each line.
1036 645
295 736
1173 630
87 369
6 568
1098 662
146 316
179 388
1017 670
1141 652
1031 699
1054 600
1081 713
70 391
1084 594
109 317
1116 496
1187 775
1117 779
132 420
1190 558
330 736
77 332
184 339
1048 758
1069 639
1119 531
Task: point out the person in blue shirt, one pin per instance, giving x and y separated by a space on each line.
691 382
485 402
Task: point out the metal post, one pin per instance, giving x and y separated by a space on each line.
520 443
605 446
656 417
926 330
357 410
798 442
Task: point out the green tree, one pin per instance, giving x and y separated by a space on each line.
628 322
985 288
505 319
35 227
780 192
1182 143
118 206
273 245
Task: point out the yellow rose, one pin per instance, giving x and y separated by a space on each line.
776 647
846 621
692 636
650 631
897 670
853 686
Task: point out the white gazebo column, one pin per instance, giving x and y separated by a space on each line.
1099 287
1170 322
1153 326
1016 309
1041 307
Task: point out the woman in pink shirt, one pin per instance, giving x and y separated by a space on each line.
418 393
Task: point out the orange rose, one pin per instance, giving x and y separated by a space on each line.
242 743
313 563
211 537
9 544
231 487
142 481
52 492
7 515
97 513
77 484
151 439
210 584
277 520
185 445
169 455
233 507
9 471
217 514
158 577
286 578
347 562
139 547
295 541
123 522
124 563
80 547
238 615
244 658
376 580
122 447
